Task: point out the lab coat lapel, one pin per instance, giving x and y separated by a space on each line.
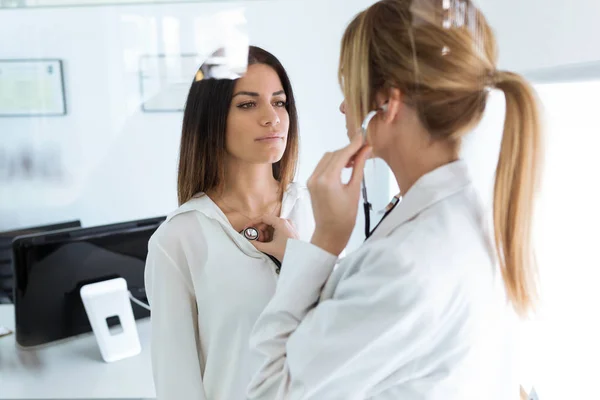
431 188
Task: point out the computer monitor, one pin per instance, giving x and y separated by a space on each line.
6 238
51 268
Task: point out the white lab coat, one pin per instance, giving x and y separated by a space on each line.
417 313
207 285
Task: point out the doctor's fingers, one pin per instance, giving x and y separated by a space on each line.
353 147
328 174
321 166
342 158
358 168
265 233
272 220
346 155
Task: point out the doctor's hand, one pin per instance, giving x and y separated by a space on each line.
335 204
282 230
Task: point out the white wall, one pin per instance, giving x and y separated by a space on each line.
120 162
536 34
549 41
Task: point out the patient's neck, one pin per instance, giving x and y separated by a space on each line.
249 188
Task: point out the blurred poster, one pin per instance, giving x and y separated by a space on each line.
31 88
31 164
165 81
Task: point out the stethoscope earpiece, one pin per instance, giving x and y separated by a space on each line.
365 125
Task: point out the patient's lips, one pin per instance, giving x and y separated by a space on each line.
272 137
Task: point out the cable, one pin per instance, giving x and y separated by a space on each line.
138 302
367 208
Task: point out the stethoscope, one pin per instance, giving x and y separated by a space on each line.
251 233
367 207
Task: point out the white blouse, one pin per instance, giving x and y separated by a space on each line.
207 285
418 312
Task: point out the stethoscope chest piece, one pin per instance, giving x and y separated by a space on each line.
251 233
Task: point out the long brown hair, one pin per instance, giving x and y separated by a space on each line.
442 56
202 151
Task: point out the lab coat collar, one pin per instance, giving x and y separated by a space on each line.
431 188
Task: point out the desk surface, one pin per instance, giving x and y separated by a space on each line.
72 369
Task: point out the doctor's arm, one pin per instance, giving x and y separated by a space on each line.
175 339
374 324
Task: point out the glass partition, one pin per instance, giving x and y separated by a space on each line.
88 3
91 102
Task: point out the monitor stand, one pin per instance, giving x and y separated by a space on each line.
109 311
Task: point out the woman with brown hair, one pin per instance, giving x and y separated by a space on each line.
205 281
425 308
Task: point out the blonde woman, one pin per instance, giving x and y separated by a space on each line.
425 308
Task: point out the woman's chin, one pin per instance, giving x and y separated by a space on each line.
269 157
274 154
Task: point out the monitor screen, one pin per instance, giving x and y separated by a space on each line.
6 238
50 269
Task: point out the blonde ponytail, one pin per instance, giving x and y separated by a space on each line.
517 179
